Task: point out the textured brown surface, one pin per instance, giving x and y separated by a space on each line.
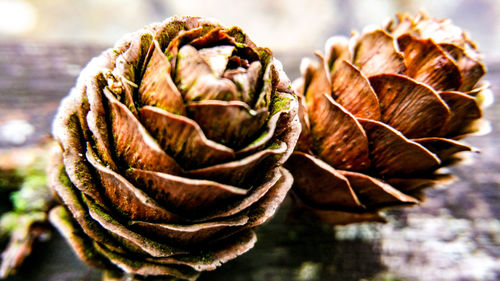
453 235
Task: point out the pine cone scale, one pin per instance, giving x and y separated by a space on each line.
429 64
352 90
391 153
133 144
186 235
137 203
443 148
140 266
233 122
319 81
190 197
61 217
346 147
210 260
130 239
471 68
266 134
322 185
183 138
157 88
239 172
410 107
375 193
272 178
94 117
465 110
70 135
376 53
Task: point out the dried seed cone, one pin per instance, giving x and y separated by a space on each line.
380 113
171 146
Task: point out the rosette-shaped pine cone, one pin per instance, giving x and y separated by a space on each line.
380 113
171 150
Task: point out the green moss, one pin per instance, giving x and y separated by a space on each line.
15 222
9 180
206 28
33 193
206 258
63 177
30 198
98 210
259 138
169 55
75 234
67 219
240 45
169 32
238 35
280 103
274 145
8 223
264 56
146 41
81 172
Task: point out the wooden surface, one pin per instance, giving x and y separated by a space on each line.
453 235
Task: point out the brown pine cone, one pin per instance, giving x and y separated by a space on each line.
171 149
380 113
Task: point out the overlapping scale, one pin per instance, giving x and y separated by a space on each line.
351 89
170 149
157 88
429 64
183 138
375 53
232 122
408 91
410 107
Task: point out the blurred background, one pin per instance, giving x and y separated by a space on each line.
282 25
453 235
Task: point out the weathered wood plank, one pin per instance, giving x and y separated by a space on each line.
33 79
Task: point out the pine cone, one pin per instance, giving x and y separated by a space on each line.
172 143
380 113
